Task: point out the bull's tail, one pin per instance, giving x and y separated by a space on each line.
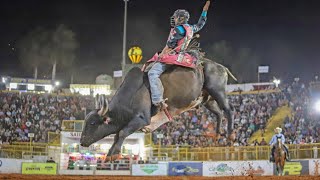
228 72
231 75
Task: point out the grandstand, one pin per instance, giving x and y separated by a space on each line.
34 127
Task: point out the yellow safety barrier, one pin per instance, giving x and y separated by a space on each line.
255 92
54 139
240 153
20 149
275 121
72 125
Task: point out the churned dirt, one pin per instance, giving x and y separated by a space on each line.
45 177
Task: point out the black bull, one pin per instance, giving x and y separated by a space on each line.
130 108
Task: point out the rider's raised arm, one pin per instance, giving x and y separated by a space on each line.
202 20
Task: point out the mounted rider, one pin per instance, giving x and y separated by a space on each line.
274 140
174 52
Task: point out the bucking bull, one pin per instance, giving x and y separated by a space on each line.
130 109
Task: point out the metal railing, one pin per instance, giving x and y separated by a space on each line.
72 125
20 149
239 153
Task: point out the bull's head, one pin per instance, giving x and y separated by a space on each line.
94 122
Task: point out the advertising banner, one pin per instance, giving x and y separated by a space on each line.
39 168
237 168
263 69
185 169
11 165
314 167
296 167
149 169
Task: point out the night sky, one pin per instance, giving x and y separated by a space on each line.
284 33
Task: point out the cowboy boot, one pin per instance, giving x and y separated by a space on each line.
161 105
288 156
271 158
271 155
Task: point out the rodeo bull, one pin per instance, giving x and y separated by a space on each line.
131 109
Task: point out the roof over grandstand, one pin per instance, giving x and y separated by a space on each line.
283 33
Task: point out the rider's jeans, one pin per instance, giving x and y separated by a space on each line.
155 83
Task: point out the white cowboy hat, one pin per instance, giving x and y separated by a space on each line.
277 129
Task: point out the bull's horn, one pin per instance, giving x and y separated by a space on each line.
104 105
97 102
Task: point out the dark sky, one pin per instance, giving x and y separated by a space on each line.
284 33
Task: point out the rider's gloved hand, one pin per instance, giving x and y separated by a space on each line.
206 6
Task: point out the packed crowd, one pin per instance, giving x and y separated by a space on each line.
304 125
197 128
23 113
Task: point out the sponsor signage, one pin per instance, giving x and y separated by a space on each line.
237 168
185 169
299 167
117 73
33 81
11 165
39 168
314 167
263 69
149 169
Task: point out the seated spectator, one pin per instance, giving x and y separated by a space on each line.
197 128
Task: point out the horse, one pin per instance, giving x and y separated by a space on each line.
279 155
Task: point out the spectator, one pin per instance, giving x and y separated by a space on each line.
50 160
263 142
37 113
140 161
197 128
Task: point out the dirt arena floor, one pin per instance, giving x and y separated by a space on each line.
42 177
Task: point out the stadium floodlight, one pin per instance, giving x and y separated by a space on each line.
276 82
317 106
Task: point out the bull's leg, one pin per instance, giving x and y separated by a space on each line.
212 106
115 139
220 97
134 125
216 79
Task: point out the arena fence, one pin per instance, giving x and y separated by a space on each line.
183 153
20 149
169 168
239 153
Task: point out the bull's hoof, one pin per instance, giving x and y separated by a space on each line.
145 130
115 157
108 159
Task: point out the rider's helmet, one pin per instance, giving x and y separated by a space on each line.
182 17
277 130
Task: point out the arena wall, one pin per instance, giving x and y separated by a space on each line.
11 165
187 168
